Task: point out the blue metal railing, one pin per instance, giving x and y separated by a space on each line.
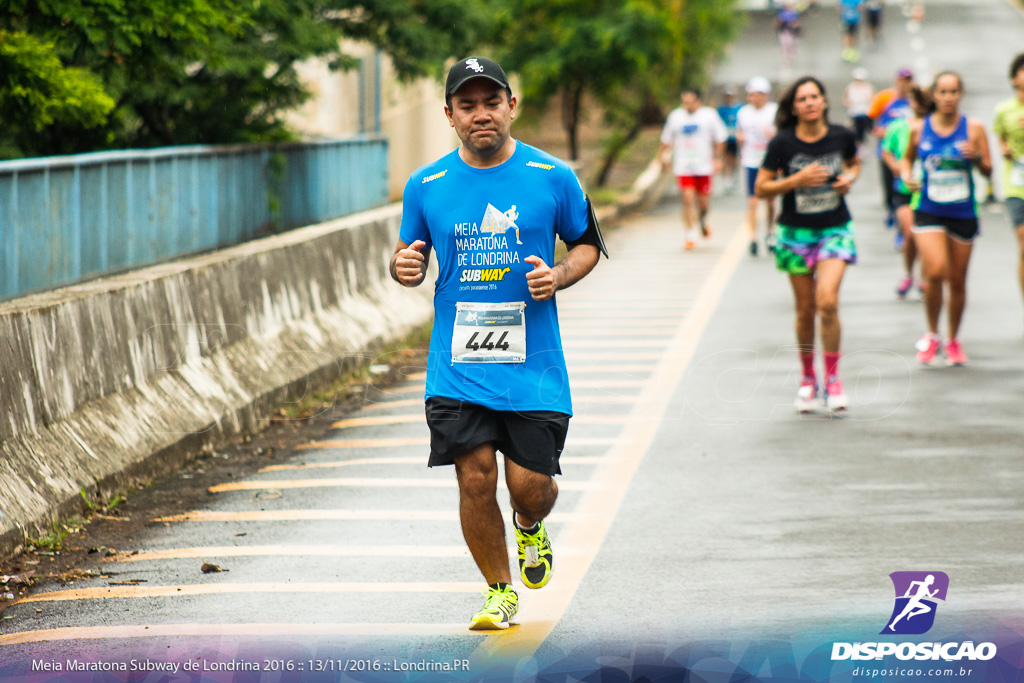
63 219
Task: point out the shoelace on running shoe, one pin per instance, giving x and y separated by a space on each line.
498 599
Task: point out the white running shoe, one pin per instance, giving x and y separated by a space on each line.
807 396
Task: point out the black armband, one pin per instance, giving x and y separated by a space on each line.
592 235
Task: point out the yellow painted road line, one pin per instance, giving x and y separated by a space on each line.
598 419
404 403
218 552
603 305
386 460
570 333
624 315
615 343
366 443
608 383
576 357
368 482
409 460
236 631
574 362
420 417
601 323
425 441
380 420
207 552
604 400
331 515
121 592
596 511
577 369
644 314
403 389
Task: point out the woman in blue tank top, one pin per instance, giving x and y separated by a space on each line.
947 145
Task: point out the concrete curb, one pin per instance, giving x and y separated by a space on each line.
116 381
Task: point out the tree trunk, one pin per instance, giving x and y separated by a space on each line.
615 149
571 118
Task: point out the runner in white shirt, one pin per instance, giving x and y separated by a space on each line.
857 98
755 126
696 136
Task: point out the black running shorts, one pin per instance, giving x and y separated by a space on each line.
963 229
900 199
532 439
1015 207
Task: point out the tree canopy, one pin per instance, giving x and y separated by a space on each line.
630 56
81 75
37 91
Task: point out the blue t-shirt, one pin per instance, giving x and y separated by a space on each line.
728 113
899 108
481 225
850 11
787 18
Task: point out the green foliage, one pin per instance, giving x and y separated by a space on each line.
37 91
88 504
53 540
199 71
137 51
417 35
277 164
627 55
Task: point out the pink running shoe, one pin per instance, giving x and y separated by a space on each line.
904 287
835 397
807 396
955 353
927 346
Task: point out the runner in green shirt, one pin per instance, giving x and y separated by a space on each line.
894 147
1009 128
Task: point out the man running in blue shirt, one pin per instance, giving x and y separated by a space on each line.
727 112
496 375
849 12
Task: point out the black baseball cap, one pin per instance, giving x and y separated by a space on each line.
474 67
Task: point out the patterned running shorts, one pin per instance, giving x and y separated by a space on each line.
798 250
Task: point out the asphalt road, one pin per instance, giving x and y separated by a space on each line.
702 522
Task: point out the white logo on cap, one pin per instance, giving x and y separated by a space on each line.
474 65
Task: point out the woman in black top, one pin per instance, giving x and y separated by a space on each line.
812 164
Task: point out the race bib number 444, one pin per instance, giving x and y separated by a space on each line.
489 333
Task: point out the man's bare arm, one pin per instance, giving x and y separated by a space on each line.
545 280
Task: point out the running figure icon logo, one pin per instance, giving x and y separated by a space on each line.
917 594
496 222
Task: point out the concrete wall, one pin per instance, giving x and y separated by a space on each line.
121 379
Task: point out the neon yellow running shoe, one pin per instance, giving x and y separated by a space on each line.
535 558
501 606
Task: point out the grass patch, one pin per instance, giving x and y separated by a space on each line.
53 541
